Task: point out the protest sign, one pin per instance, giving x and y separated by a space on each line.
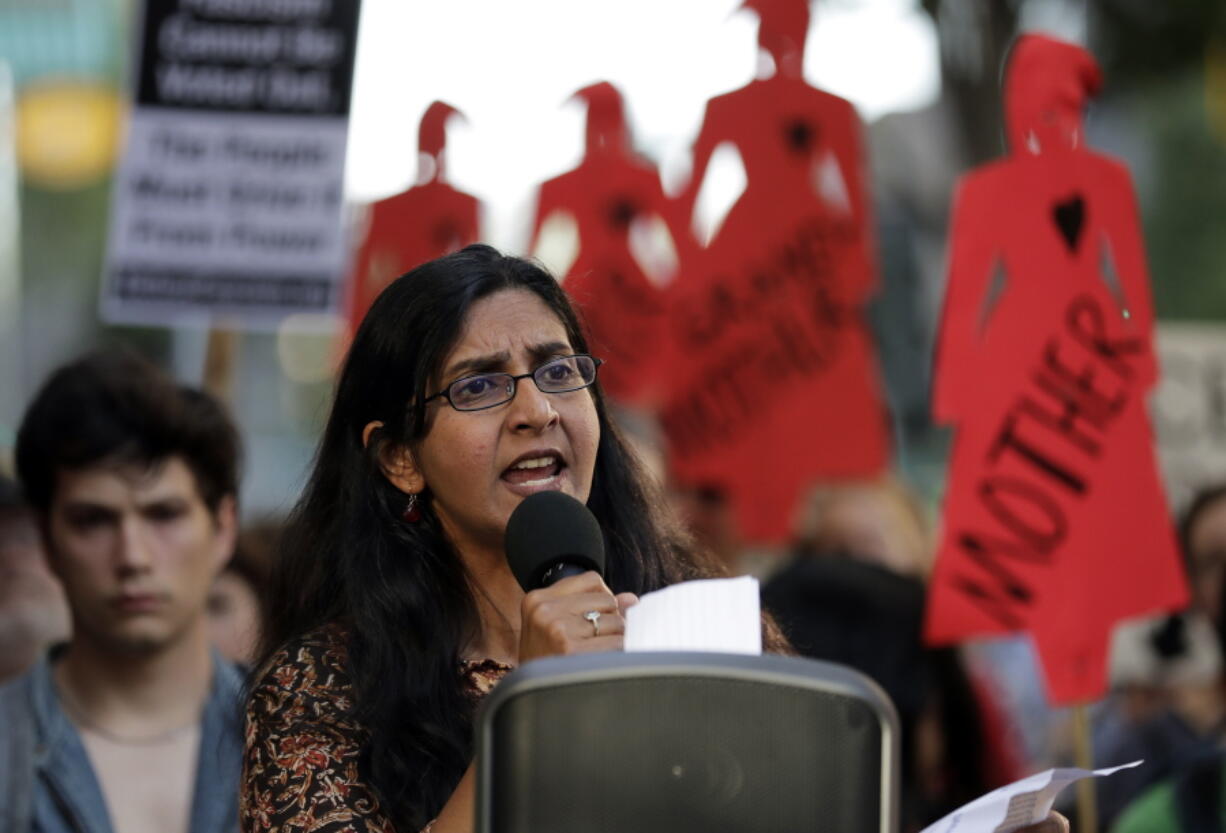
227 200
1189 407
774 382
1055 521
610 195
429 220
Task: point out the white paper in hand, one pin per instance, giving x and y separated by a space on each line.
1023 802
719 614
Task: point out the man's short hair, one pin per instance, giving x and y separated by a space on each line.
113 407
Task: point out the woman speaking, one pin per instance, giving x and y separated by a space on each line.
393 609
467 387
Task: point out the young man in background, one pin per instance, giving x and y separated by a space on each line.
133 726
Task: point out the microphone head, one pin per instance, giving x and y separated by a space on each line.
551 527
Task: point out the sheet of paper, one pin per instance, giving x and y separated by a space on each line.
1023 802
718 614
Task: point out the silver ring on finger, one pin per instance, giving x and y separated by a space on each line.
593 616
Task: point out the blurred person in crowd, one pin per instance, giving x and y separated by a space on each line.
876 521
1193 799
33 613
865 609
1168 705
133 725
236 604
1202 533
882 523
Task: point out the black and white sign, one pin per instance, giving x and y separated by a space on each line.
228 197
1189 407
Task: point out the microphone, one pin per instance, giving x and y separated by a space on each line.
550 536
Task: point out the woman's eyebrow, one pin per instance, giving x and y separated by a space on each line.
549 350
498 361
479 364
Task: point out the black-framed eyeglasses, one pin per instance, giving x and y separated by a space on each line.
488 390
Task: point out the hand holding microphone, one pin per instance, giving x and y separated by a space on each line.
556 551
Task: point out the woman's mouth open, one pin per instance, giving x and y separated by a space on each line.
534 473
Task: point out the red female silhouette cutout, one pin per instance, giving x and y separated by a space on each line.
609 191
776 384
427 221
1055 521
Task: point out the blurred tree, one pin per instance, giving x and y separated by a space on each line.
1183 218
1158 61
916 158
1139 41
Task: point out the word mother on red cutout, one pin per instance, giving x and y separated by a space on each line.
1059 421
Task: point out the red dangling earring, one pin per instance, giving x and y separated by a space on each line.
412 511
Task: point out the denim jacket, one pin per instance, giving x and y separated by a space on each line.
47 784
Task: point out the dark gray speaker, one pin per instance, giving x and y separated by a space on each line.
671 742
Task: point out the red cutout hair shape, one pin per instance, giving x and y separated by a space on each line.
432 132
606 117
1047 84
783 25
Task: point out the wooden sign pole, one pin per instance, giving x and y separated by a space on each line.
1087 805
220 360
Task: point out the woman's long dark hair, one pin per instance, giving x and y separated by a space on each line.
400 589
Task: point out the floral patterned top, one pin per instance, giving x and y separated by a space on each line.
300 766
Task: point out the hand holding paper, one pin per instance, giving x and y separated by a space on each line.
1016 805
